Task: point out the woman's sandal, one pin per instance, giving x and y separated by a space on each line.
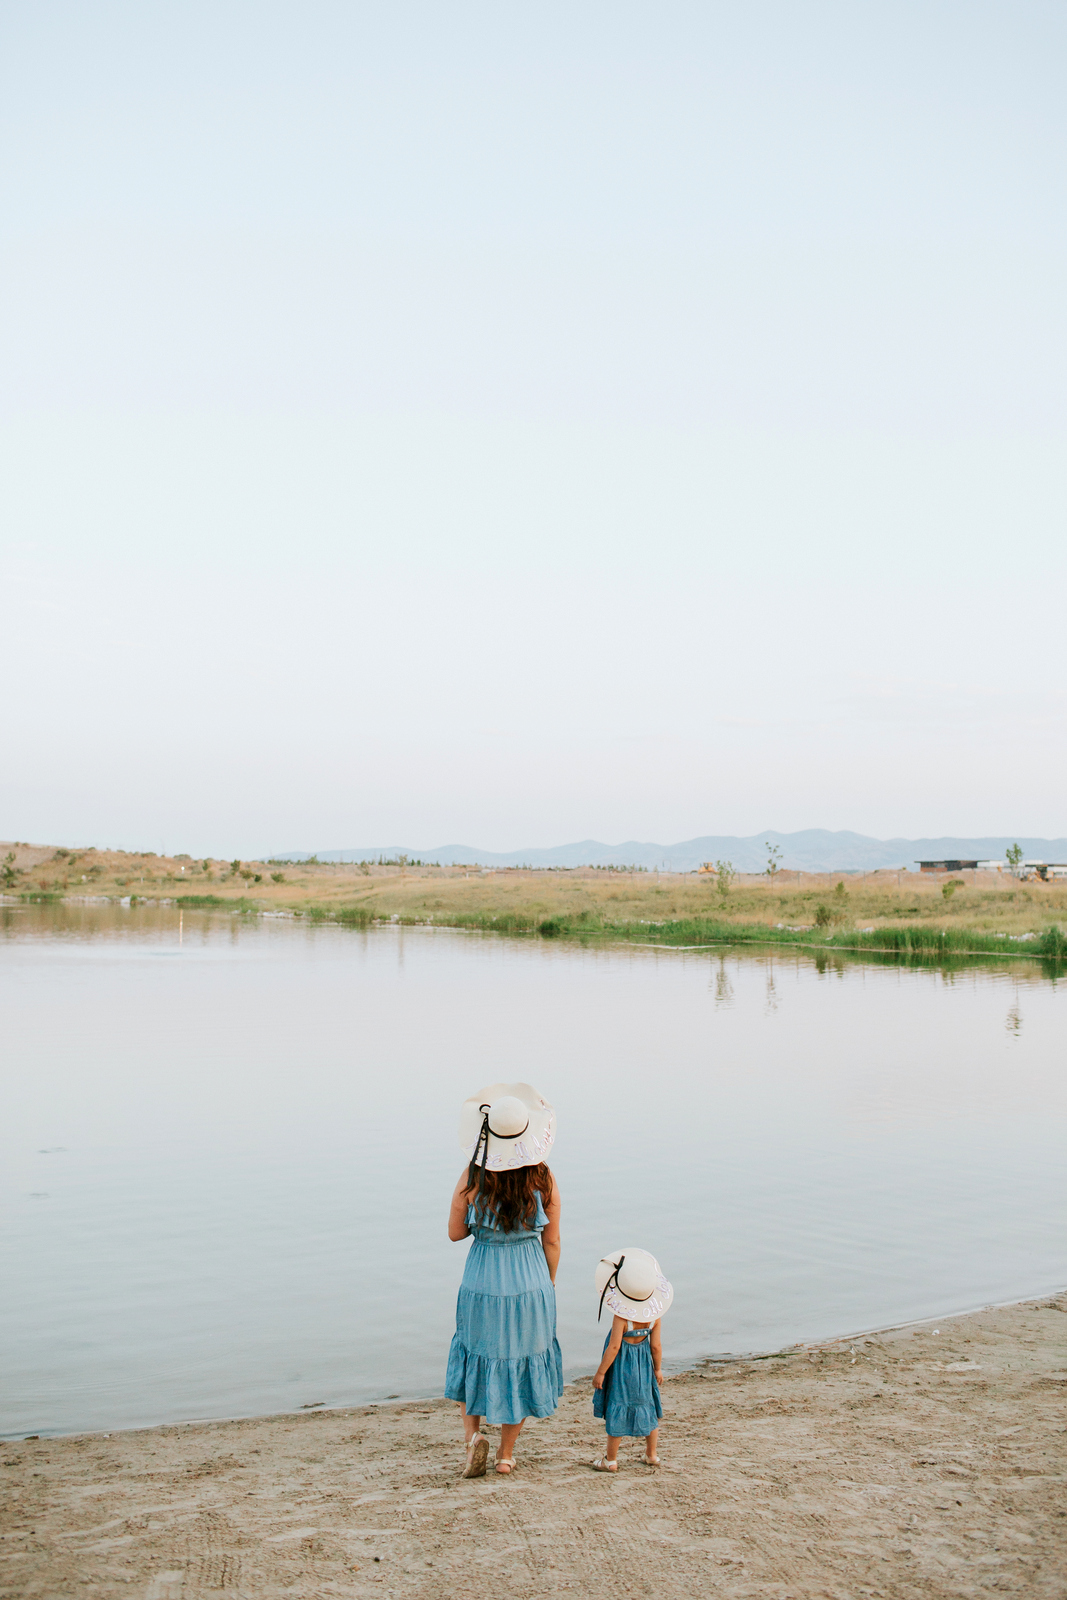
477 1456
504 1466
650 1461
602 1464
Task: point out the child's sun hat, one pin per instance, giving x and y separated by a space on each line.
505 1126
631 1284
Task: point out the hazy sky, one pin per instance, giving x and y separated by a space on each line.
513 423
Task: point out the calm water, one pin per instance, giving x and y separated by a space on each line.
228 1150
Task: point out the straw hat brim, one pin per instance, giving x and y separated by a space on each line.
529 1148
634 1310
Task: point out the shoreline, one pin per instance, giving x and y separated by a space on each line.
727 1359
919 1461
914 947
922 917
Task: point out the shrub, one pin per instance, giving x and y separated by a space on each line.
277 877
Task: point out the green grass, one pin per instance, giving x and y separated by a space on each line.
912 942
208 902
1051 945
915 945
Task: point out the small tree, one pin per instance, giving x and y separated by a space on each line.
726 876
1015 855
774 860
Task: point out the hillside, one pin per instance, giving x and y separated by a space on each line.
812 850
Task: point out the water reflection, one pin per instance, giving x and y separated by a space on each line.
724 989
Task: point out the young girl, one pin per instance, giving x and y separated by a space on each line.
626 1383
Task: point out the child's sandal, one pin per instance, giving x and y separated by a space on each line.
504 1466
602 1464
650 1461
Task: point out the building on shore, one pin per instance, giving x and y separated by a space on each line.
1047 871
962 866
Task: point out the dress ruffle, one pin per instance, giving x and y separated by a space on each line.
505 1391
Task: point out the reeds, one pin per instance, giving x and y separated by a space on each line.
690 932
207 902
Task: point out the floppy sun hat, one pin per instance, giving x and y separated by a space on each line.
631 1284
505 1126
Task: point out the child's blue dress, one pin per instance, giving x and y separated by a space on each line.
629 1401
505 1361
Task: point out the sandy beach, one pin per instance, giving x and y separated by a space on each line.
927 1461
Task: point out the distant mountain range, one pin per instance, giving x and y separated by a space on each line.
812 850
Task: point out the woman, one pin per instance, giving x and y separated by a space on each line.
505 1363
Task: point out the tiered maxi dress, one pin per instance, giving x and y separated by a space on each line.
629 1402
505 1361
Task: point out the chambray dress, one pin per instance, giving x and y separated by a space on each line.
629 1401
505 1361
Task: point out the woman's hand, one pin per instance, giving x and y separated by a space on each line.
598 1380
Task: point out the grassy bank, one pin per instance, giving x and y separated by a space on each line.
692 933
907 916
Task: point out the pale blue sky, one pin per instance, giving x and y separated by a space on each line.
518 423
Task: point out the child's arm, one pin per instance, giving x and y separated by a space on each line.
614 1345
657 1350
457 1216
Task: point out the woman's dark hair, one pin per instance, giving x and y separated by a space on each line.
509 1199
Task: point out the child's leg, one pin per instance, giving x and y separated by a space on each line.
651 1442
612 1451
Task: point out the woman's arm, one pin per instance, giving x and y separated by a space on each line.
656 1342
550 1233
457 1216
614 1345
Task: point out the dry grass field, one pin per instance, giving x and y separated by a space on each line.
795 907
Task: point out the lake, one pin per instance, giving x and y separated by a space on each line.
228 1147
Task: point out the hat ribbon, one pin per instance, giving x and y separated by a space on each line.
482 1144
637 1299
